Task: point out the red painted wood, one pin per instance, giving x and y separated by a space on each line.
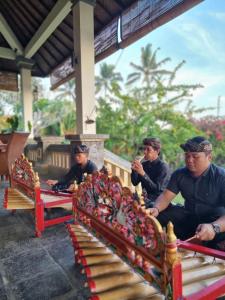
202 249
49 192
55 221
209 293
177 281
57 202
5 203
119 241
39 213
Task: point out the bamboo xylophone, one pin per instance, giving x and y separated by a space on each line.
109 277
126 255
25 193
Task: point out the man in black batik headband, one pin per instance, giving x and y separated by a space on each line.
82 165
202 185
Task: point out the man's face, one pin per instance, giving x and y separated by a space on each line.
150 153
197 161
81 158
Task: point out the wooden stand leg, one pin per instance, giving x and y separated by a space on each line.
39 219
37 234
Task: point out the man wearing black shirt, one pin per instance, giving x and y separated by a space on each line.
202 186
153 173
82 165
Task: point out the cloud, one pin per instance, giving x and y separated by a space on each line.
220 16
213 87
203 42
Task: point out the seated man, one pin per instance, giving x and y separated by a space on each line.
82 165
202 185
153 173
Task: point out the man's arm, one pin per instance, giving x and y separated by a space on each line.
136 168
160 181
135 178
205 232
161 203
51 182
68 177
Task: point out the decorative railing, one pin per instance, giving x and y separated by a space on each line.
34 153
118 167
59 156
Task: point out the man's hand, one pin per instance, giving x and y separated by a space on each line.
153 211
51 182
71 188
205 232
137 167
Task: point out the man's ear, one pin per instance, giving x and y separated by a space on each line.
210 156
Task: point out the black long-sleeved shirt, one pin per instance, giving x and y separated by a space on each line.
76 173
155 180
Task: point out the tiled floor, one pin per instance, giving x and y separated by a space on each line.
36 269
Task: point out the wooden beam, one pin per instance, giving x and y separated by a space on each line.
9 35
54 18
120 4
7 53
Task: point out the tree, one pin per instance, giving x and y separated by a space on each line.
67 91
129 124
214 129
108 80
55 114
149 109
149 70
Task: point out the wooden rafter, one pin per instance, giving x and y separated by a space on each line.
7 53
9 35
54 18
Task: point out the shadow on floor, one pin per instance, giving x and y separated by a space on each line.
36 269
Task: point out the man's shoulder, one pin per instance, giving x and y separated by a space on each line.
158 162
163 164
91 165
217 170
180 171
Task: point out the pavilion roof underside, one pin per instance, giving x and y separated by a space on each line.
117 23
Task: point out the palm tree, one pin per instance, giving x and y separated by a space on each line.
108 79
67 91
149 70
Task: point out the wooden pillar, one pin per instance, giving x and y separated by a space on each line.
83 32
25 67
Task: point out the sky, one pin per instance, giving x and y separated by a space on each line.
197 36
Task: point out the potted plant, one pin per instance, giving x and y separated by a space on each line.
13 121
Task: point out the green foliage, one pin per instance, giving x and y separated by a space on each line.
214 129
108 81
13 121
53 117
29 125
67 91
146 109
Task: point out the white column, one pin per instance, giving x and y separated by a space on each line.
25 65
27 99
83 27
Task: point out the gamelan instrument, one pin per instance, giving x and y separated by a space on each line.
25 193
125 254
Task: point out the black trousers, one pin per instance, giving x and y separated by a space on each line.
186 222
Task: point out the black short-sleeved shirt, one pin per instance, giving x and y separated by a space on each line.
76 173
157 175
202 193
